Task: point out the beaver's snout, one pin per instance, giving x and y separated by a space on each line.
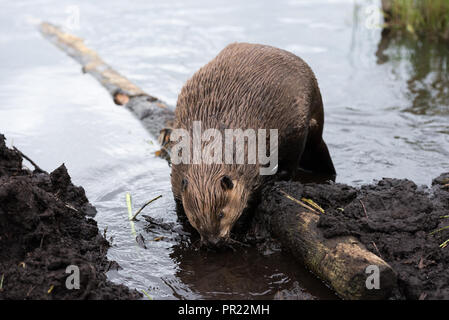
213 241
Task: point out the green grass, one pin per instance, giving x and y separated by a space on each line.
421 17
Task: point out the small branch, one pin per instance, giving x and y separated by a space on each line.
36 167
298 202
30 290
148 296
140 210
313 204
375 247
239 243
130 212
42 241
364 209
439 230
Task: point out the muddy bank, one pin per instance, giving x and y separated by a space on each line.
393 218
44 228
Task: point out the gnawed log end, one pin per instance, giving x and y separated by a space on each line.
121 99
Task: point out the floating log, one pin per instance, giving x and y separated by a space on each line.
341 262
154 113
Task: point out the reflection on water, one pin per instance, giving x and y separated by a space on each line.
427 66
386 115
244 274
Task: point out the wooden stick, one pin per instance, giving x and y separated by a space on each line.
302 204
140 210
364 209
36 167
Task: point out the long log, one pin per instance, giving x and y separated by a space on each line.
341 262
154 113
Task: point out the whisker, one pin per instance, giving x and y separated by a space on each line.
239 243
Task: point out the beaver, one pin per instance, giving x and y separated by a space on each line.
246 86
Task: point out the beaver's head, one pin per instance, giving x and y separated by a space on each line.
213 201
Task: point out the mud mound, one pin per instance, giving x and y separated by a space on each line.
393 218
44 228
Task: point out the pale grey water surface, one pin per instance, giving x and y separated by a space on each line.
386 104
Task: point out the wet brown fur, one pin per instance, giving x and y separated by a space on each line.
247 86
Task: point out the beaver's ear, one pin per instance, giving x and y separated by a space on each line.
226 183
184 184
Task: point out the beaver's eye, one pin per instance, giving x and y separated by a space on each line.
226 183
184 184
221 215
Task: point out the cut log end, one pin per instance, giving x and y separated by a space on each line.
121 99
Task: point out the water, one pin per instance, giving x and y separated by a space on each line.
386 104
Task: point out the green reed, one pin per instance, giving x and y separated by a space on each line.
422 17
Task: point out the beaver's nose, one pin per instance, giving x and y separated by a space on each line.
213 241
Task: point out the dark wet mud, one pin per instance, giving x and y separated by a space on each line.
44 228
393 218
